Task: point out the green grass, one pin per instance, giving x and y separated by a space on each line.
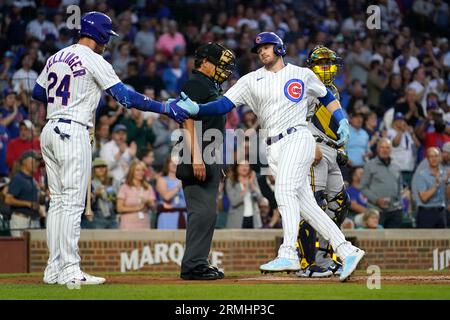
228 273
217 291
226 291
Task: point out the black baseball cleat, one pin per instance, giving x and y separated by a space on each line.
314 271
202 273
220 274
336 268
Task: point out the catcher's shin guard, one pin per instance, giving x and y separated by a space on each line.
339 205
307 236
306 242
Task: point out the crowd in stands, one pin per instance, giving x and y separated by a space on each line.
394 85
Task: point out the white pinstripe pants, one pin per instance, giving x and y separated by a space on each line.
290 160
67 163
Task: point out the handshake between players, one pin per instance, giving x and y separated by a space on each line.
183 107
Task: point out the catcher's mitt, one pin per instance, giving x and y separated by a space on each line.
341 158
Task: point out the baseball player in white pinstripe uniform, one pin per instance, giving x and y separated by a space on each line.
71 85
279 94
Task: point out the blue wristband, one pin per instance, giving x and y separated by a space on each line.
329 97
223 105
338 114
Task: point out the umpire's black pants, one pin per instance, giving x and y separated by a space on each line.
201 204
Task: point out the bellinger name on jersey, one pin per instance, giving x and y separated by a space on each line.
69 58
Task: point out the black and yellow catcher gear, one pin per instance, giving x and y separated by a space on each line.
323 120
324 63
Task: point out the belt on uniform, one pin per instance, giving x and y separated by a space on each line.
68 121
274 139
62 134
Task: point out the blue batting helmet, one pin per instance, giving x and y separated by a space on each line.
97 26
269 37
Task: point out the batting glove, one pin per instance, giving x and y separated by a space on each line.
188 105
175 112
343 132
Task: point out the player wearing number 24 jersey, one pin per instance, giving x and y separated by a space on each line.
70 85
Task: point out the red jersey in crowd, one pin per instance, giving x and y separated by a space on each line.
434 139
18 146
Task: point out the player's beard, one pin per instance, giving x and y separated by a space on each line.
100 49
271 61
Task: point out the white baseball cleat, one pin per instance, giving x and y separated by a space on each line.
86 280
281 265
350 263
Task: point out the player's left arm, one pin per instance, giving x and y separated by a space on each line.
334 107
132 99
107 79
316 88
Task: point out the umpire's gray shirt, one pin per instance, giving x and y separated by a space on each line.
382 181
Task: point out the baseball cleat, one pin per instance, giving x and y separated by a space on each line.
350 263
86 280
281 265
314 271
336 268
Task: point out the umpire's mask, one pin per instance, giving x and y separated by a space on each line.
222 58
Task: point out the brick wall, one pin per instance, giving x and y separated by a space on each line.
402 254
238 250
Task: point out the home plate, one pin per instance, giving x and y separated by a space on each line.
280 278
269 278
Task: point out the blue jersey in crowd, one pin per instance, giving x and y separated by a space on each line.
13 127
4 139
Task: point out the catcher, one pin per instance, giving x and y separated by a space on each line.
325 174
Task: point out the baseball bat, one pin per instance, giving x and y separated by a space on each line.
327 141
88 211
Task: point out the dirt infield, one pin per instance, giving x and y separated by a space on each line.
409 278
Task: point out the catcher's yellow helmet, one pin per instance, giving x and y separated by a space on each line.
324 63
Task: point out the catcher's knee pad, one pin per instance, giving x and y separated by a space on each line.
306 244
339 205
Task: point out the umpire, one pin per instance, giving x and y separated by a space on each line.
213 65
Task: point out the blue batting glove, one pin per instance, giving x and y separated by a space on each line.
188 105
343 132
175 112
